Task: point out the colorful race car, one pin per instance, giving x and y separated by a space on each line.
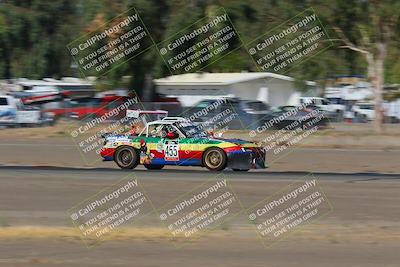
177 141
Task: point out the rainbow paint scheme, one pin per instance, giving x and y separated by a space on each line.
182 150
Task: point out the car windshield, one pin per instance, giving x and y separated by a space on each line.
191 130
204 103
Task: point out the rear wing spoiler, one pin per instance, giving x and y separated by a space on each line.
146 115
137 113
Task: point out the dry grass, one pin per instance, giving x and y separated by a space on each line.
329 232
34 232
59 130
63 129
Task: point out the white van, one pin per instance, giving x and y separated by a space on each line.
12 113
364 110
392 110
320 102
8 109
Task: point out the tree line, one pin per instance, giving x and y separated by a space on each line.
34 35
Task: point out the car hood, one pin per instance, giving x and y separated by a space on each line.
238 142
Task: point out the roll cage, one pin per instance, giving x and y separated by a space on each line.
161 123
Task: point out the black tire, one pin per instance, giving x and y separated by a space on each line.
153 167
215 159
126 157
241 170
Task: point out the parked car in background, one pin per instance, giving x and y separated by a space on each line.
292 117
14 114
255 107
333 108
363 111
170 104
330 115
237 113
392 111
337 106
81 108
320 102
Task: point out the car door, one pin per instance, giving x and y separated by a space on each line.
180 150
151 146
161 149
172 143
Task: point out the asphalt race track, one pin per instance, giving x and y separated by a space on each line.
361 230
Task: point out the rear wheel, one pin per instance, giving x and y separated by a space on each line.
126 157
215 159
153 167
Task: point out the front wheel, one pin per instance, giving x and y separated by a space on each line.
126 157
215 159
153 167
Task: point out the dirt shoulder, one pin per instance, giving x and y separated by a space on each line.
335 136
361 230
345 148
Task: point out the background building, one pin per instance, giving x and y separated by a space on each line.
271 88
